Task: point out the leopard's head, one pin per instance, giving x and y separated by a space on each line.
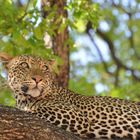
28 75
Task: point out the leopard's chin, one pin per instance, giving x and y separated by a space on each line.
35 92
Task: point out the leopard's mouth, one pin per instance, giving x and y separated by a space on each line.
34 92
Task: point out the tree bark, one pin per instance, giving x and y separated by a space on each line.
60 47
20 125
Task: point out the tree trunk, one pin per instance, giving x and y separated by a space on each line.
60 47
19 125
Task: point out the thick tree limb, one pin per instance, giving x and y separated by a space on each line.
19 125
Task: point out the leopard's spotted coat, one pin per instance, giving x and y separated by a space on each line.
31 79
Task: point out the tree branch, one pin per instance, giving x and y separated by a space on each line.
112 50
97 48
117 76
19 125
25 13
131 38
115 58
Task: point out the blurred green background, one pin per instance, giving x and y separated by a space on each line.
104 40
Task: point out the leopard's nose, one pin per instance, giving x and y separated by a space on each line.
37 78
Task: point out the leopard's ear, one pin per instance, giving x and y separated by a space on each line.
55 66
52 62
5 59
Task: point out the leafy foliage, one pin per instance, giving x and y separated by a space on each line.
104 59
21 32
112 51
22 29
83 11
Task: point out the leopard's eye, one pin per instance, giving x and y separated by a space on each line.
24 64
45 67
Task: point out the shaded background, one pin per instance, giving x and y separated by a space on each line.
100 52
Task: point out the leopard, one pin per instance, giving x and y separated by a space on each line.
32 81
